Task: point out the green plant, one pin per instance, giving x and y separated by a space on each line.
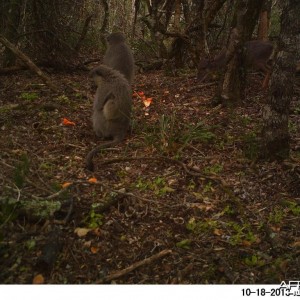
240 233
229 210
168 132
293 206
94 219
21 170
158 185
8 210
208 187
214 169
184 244
196 132
277 215
29 96
63 99
254 261
201 226
245 120
250 145
293 127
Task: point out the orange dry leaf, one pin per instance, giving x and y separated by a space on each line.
246 243
94 250
67 122
66 184
92 180
38 279
97 231
147 101
141 94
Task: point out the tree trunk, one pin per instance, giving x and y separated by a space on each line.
11 30
264 21
232 86
275 134
177 15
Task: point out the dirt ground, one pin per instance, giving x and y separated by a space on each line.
183 199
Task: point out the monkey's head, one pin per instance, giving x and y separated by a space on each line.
116 37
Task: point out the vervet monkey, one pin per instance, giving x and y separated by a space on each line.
119 56
111 109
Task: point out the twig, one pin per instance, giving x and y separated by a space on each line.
134 266
51 196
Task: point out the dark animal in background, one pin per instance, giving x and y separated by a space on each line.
257 55
111 109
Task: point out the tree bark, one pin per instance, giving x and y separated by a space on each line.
275 133
12 16
232 86
264 21
83 33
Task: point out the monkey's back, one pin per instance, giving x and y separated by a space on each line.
112 105
119 57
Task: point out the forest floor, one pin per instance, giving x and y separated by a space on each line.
185 201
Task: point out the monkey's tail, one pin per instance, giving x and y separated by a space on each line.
89 165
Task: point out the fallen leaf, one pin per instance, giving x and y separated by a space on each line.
275 228
66 184
67 122
246 243
38 279
93 180
218 232
147 101
141 94
87 244
94 250
82 231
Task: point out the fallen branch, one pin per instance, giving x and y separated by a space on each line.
31 65
134 266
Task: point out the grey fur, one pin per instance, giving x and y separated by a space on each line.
119 56
111 109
